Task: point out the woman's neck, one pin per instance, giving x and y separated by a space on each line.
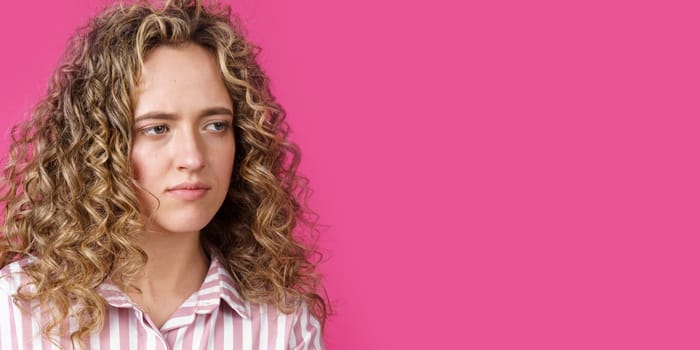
176 267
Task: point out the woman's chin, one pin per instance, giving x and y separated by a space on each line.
179 226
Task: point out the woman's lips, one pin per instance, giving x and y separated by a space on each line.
189 190
188 194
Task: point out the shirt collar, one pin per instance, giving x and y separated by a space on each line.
217 285
221 287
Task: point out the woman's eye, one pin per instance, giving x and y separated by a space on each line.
218 126
155 130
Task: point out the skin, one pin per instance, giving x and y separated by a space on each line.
183 151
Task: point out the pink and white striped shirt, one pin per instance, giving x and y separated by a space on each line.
203 321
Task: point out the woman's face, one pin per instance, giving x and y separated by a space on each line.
183 145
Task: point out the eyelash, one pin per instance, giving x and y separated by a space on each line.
223 124
151 130
147 131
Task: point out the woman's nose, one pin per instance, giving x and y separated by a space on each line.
190 153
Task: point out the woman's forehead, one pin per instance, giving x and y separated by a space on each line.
180 79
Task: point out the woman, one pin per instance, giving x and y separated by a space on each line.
152 201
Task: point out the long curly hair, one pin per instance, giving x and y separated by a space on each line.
69 191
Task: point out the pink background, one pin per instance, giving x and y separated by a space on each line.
492 174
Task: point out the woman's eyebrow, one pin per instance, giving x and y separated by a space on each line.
157 115
216 111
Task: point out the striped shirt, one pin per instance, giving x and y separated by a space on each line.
203 321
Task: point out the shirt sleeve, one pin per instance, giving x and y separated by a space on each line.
306 331
7 311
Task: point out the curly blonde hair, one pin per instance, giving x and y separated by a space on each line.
69 188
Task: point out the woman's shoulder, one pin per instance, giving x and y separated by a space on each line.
12 277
